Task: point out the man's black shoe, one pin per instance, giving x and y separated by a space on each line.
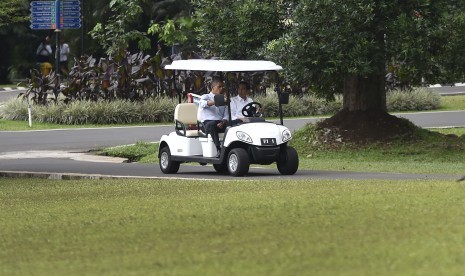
218 153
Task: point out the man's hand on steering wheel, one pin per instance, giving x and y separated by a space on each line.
252 110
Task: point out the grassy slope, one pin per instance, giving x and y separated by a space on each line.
126 227
431 154
453 102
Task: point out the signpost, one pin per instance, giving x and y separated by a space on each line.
56 15
43 15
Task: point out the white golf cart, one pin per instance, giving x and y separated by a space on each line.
253 142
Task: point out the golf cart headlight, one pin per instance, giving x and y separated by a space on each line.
287 135
244 137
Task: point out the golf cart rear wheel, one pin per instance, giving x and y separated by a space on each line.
221 168
288 161
238 162
167 165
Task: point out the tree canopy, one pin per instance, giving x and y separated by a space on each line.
237 29
321 42
330 40
334 47
13 11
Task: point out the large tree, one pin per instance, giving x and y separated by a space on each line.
346 47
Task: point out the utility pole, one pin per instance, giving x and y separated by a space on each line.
58 48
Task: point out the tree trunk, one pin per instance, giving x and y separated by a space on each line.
364 93
364 115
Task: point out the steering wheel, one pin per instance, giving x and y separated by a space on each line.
252 110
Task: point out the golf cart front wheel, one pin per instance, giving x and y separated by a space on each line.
167 165
288 161
238 162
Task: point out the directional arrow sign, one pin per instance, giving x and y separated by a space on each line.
52 14
71 25
43 20
70 3
41 9
71 8
71 14
42 26
71 20
42 3
43 15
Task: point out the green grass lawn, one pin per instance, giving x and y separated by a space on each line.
7 85
244 227
169 227
433 154
453 102
11 125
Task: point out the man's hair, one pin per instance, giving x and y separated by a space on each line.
215 81
247 85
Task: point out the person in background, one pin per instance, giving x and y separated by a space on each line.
238 102
44 51
64 52
214 118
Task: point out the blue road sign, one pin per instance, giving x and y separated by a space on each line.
42 26
71 8
71 20
70 3
43 15
43 20
41 9
65 14
71 25
70 14
42 3
52 14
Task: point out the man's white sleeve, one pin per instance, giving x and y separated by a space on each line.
204 101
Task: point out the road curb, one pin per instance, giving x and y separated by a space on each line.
79 176
57 176
12 88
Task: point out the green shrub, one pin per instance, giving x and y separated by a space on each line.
412 100
14 110
307 105
161 109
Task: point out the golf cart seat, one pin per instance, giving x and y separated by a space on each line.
185 117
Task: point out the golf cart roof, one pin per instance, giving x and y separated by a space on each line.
223 65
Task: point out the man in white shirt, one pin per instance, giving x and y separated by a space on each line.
214 118
64 52
44 51
238 102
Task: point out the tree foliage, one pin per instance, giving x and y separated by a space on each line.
13 11
330 40
116 34
237 29
172 31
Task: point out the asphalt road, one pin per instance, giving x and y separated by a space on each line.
67 168
50 152
6 95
